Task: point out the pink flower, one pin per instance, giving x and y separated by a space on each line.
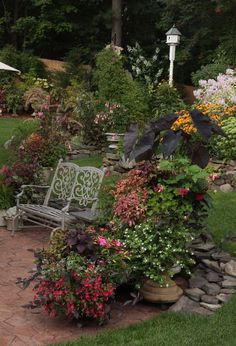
200 197
158 189
183 192
102 241
214 176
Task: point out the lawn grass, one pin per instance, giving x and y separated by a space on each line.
176 329
94 161
222 219
172 329
7 127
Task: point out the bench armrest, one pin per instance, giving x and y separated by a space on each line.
23 187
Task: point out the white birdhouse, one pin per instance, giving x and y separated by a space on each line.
173 36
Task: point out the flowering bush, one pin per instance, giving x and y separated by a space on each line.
78 274
145 70
111 117
169 207
215 111
221 90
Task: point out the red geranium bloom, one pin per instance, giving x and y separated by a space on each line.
199 197
183 191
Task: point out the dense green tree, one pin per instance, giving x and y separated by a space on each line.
51 28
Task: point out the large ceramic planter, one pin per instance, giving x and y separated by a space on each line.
156 293
2 219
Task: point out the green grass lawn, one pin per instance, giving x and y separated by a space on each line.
222 219
94 161
7 127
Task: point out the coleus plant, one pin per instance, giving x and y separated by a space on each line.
158 133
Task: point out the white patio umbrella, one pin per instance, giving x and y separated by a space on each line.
8 68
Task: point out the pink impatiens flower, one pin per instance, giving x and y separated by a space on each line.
102 241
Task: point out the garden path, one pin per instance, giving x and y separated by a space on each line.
23 327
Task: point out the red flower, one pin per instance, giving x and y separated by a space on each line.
200 197
183 192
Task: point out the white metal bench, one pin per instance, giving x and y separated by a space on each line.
71 183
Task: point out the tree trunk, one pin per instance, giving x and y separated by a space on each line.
116 34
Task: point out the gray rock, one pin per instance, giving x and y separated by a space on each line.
197 281
212 265
213 277
228 291
228 277
211 288
230 268
223 297
184 304
203 254
219 182
226 188
232 163
221 256
229 283
209 299
204 246
211 307
194 293
222 266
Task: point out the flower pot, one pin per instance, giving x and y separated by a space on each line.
2 219
156 293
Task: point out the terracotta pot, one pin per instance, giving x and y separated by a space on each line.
156 293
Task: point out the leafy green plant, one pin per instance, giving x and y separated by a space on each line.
115 85
158 208
7 199
165 99
23 61
225 148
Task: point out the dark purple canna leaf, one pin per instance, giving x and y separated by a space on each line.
72 241
202 123
81 248
163 123
199 155
130 138
218 130
205 126
170 141
145 146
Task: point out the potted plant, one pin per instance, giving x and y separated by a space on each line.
158 209
78 273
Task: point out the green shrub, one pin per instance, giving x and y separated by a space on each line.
117 86
7 199
165 99
225 147
210 71
22 61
